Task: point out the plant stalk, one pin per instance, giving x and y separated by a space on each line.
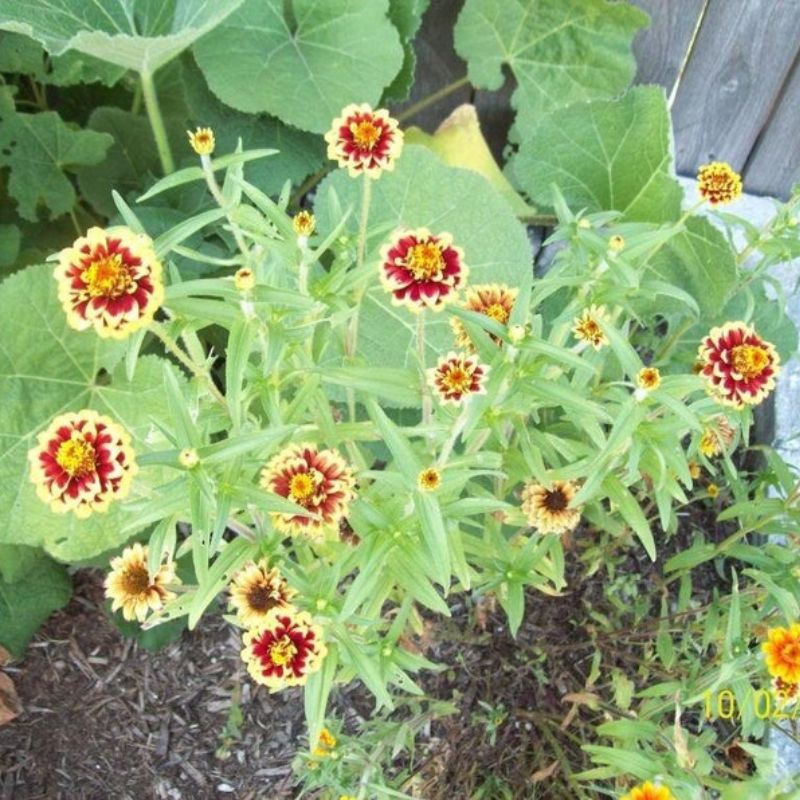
156 122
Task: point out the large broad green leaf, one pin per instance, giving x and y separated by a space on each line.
39 148
46 369
406 15
300 153
303 60
606 155
424 192
26 604
701 262
560 51
141 35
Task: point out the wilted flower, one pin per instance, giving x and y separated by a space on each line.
785 693
318 480
364 141
718 183
422 270
109 280
131 588
284 651
256 592
82 462
547 506
429 480
587 328
738 365
304 223
782 653
718 438
457 377
244 280
648 791
202 141
494 300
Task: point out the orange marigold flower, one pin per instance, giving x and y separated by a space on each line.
244 280
457 377
494 300
304 223
318 480
738 365
284 651
719 183
256 592
429 480
109 280
547 507
326 743
782 653
130 586
82 462
422 270
649 378
202 141
785 693
364 141
718 438
648 791
587 328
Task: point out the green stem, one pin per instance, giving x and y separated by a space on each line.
432 98
458 426
156 122
427 403
216 193
366 196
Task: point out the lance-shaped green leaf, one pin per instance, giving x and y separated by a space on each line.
560 51
141 35
610 155
302 60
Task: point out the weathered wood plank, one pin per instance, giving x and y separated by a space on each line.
774 165
660 49
743 53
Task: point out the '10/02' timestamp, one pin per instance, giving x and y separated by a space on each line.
724 705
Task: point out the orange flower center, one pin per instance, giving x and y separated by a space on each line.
497 312
425 260
107 277
136 580
283 651
555 500
750 360
590 329
457 379
366 133
301 487
76 457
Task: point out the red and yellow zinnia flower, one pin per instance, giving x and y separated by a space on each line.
719 183
648 791
586 327
494 300
422 270
81 463
109 280
364 141
131 588
547 507
318 480
785 694
284 651
258 591
739 366
782 653
458 376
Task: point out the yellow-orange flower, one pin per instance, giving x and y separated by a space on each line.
713 490
648 791
244 280
82 462
109 280
719 183
364 141
587 328
547 507
494 300
718 438
782 653
131 588
694 470
325 744
202 141
318 480
649 378
457 377
429 480
304 223
284 651
739 366
257 592
785 693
